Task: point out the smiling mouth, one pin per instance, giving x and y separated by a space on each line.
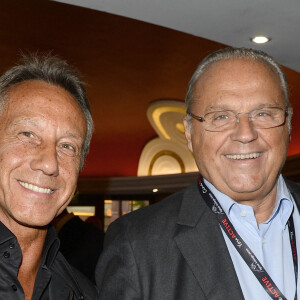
244 156
35 188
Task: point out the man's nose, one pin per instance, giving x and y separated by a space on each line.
244 131
45 159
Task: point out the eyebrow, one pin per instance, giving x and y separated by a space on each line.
22 121
218 107
72 135
31 121
225 107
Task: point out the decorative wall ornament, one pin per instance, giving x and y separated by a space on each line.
168 153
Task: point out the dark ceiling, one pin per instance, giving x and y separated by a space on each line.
126 63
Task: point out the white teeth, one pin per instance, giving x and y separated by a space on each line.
35 188
243 156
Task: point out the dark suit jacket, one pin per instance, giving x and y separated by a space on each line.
171 250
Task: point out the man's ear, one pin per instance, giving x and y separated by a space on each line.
187 132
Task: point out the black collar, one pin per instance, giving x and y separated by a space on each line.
50 249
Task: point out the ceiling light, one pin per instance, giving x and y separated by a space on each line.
260 39
155 190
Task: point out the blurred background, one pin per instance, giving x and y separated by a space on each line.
137 57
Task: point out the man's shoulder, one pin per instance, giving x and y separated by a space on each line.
156 217
169 205
64 275
293 186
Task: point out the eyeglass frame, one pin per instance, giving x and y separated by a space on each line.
287 110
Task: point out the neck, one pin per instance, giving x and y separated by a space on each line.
32 249
263 207
31 241
262 201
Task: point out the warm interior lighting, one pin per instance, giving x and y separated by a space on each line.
155 190
180 127
83 214
260 39
84 211
108 212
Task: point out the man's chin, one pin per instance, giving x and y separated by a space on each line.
245 192
33 223
243 185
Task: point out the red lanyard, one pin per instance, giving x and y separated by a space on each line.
250 259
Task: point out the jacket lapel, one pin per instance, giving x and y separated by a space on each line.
202 245
294 188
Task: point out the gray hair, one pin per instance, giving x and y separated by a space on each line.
56 71
239 53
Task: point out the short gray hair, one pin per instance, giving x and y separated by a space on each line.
239 53
56 71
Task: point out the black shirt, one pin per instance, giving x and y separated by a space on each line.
55 280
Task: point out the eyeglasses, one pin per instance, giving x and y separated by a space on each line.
261 118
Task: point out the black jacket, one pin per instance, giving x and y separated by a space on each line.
172 250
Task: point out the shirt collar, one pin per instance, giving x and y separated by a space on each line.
225 201
5 234
284 202
283 206
50 249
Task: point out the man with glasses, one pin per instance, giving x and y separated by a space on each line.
232 235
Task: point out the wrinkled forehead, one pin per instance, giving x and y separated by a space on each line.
31 91
35 97
235 76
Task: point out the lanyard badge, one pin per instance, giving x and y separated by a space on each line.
249 257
